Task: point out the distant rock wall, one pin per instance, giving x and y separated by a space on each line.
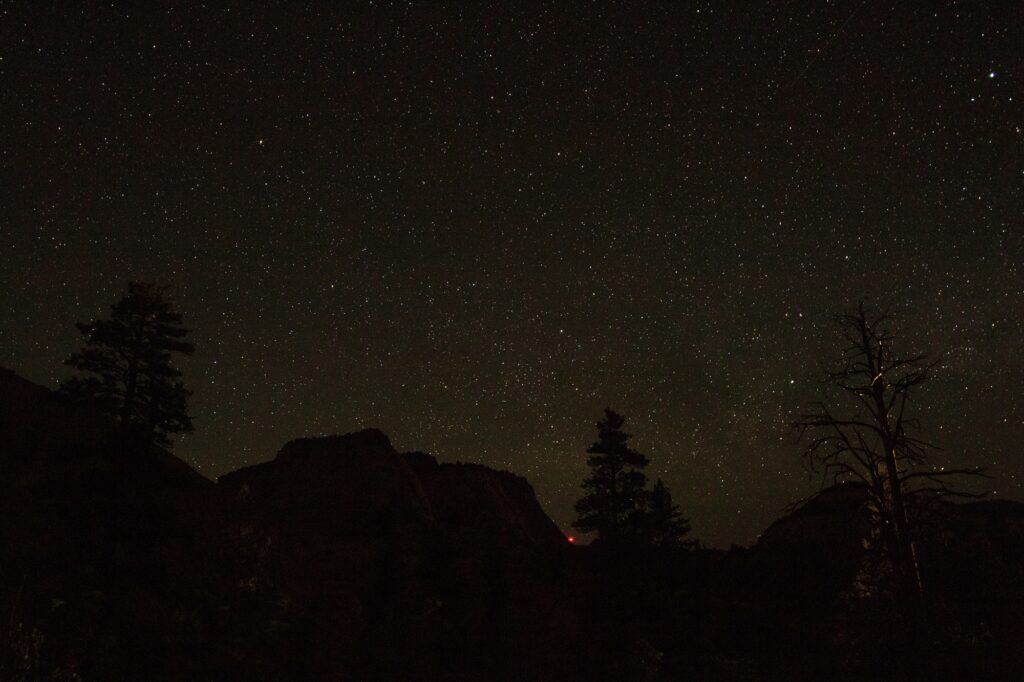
837 519
354 484
485 501
358 483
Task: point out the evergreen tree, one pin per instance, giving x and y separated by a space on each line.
126 361
613 505
663 522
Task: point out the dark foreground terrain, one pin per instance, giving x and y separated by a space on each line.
343 559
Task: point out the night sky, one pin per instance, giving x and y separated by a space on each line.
475 227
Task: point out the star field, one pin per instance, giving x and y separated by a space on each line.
474 228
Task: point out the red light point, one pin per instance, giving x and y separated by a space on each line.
571 539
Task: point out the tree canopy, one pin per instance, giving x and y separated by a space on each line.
664 524
126 364
617 505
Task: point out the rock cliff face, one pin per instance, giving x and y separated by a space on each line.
421 555
356 484
835 520
359 484
484 502
997 525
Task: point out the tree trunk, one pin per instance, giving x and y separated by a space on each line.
911 587
131 380
129 391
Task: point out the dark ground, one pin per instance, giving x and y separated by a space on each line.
343 559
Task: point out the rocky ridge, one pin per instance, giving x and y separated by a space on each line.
344 559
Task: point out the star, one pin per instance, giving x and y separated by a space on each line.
628 231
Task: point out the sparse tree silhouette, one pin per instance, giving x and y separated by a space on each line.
613 505
872 439
126 362
664 524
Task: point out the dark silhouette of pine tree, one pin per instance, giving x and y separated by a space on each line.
127 364
663 522
613 505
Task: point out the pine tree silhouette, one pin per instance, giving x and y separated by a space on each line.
127 364
613 505
663 522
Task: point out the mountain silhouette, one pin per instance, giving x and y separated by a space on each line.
342 558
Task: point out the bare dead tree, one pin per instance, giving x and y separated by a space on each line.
874 441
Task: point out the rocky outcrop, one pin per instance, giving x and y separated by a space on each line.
103 543
352 485
358 484
69 472
482 502
364 540
997 525
836 519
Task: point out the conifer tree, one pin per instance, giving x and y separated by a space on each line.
126 362
664 523
613 505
